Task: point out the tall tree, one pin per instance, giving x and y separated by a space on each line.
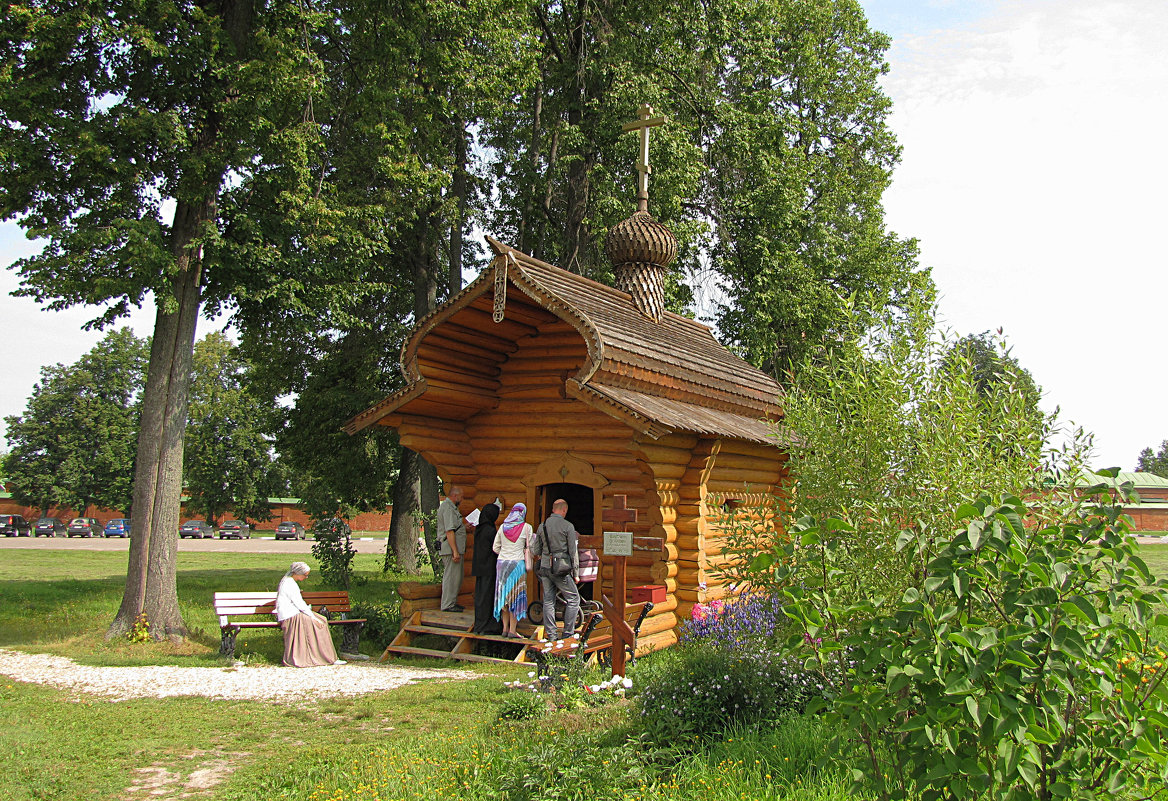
770 172
74 445
1156 463
408 84
994 368
227 455
116 115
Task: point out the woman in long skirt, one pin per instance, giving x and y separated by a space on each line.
512 543
307 642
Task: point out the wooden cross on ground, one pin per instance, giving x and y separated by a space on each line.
614 611
622 632
645 120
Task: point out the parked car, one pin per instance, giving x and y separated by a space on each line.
84 527
118 527
234 528
290 531
333 526
49 527
14 526
196 528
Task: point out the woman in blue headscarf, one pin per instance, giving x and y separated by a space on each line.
512 544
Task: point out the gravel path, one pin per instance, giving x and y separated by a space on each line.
258 683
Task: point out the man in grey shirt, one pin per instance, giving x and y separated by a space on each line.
558 537
452 531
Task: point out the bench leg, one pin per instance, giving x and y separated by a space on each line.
351 638
227 646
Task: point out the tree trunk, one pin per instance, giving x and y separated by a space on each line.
150 576
458 188
406 524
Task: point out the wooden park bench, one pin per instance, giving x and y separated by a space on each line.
595 642
231 606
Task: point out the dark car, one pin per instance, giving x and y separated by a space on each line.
290 531
332 526
118 527
84 527
14 526
196 528
49 527
234 528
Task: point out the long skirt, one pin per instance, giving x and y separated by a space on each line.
307 642
484 601
511 588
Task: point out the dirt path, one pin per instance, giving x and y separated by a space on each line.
235 682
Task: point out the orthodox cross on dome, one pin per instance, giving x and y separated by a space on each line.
645 120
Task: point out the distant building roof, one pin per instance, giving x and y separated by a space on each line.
1138 480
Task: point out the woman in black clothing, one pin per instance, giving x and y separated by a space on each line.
483 569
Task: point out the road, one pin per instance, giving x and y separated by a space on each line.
260 544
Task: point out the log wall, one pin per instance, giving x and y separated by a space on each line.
532 434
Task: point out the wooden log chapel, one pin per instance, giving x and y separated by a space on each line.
534 383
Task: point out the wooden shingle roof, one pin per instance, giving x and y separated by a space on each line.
658 377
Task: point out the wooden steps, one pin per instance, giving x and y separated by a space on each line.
457 627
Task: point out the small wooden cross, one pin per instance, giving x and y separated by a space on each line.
614 611
620 512
645 121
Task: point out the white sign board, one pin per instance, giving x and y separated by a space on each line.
618 543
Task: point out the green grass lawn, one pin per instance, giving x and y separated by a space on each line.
62 602
432 740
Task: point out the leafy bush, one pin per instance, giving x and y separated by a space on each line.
704 690
892 427
382 621
333 549
522 706
1023 667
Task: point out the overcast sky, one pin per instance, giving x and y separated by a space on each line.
1033 175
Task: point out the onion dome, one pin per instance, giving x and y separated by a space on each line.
640 249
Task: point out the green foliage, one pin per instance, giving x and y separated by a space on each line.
333 549
706 690
770 171
994 369
1154 462
522 706
1023 666
887 430
140 631
74 445
227 457
382 621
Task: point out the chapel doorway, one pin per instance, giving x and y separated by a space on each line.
581 513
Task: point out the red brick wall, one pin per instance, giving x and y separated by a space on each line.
281 512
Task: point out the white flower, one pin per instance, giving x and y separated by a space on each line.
627 684
595 688
531 674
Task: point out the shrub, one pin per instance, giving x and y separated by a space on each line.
1023 667
382 621
522 706
333 549
703 690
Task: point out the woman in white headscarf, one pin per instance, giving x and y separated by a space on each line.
307 642
512 544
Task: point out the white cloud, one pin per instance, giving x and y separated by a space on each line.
1032 174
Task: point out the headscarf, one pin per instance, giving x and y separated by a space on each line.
298 569
489 516
513 525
